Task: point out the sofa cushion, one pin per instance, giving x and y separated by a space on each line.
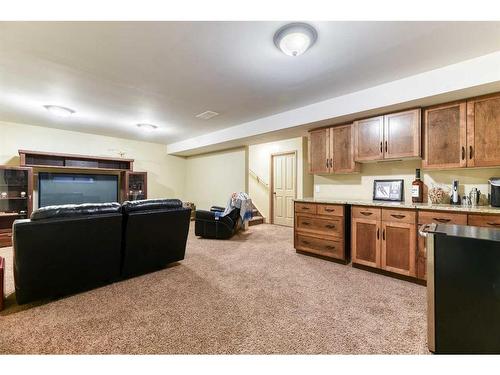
151 204
75 210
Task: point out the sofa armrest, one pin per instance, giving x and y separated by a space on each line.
217 209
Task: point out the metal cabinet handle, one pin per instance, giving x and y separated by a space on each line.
327 163
398 216
494 224
470 152
381 147
330 226
330 247
441 220
329 210
304 208
306 242
383 234
385 146
463 152
378 233
366 213
305 223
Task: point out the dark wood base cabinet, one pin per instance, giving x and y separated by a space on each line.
320 230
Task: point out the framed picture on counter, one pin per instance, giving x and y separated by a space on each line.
388 190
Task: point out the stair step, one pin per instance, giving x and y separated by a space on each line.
256 220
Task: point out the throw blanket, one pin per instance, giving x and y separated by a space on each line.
243 202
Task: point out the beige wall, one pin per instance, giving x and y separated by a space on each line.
360 186
259 161
166 174
212 178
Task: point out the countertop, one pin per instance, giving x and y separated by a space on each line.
418 206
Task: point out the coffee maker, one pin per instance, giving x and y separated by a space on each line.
494 191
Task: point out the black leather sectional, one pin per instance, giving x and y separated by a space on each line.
208 224
71 248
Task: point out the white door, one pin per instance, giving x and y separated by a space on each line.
284 186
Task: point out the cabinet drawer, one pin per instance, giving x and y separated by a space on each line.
330 209
440 217
320 246
332 227
371 213
490 221
5 239
309 208
399 216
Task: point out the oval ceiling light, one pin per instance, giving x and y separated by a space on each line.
295 38
59 111
147 127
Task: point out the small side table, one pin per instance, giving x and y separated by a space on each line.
191 206
2 275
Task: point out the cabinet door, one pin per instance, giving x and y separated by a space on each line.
368 139
399 241
366 242
445 135
402 135
342 150
483 131
319 151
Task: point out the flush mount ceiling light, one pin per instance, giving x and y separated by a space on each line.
295 38
59 111
147 127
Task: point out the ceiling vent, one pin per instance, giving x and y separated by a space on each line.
207 115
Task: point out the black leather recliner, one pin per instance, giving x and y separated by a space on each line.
208 225
66 249
155 234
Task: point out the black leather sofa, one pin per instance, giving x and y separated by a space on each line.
71 248
151 227
66 249
208 225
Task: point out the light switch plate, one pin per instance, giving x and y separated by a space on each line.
316 188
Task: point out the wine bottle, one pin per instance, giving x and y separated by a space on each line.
417 189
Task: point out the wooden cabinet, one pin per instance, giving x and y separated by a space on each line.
445 135
320 230
463 134
369 139
483 131
319 151
384 238
134 186
393 136
331 151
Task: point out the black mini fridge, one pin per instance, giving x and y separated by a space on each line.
463 289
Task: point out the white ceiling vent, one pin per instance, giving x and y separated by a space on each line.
207 115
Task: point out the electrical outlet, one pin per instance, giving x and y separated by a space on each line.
316 188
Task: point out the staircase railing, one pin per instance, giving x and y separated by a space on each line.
259 179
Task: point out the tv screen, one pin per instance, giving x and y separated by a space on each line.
69 188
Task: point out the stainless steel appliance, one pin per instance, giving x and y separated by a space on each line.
494 191
463 288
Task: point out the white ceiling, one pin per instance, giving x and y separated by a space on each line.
117 74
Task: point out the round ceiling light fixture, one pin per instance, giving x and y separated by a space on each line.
59 111
295 38
147 127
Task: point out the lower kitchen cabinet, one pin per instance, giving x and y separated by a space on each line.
320 229
385 239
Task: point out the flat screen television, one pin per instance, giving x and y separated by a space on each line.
69 188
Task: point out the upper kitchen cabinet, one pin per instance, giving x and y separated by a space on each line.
342 149
331 151
393 136
483 131
402 135
319 151
445 131
368 139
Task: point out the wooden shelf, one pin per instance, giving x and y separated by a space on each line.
40 159
10 214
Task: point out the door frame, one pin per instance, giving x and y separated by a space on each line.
271 179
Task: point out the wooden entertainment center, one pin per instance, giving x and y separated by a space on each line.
16 182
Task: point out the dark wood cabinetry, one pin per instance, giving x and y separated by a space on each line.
392 136
331 150
320 229
16 199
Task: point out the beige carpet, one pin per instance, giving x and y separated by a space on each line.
251 294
